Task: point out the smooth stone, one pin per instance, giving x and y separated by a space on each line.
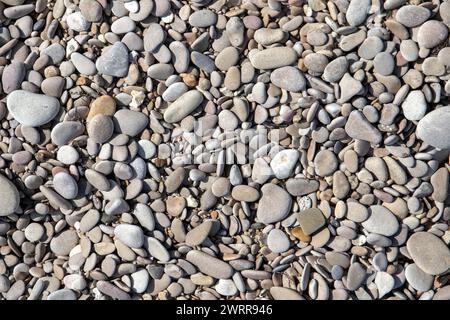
357 212
145 217
409 50
358 127
381 221
311 220
183 106
431 34
123 25
174 91
355 276
83 64
433 128
383 63
157 249
415 106
32 109
429 252
105 105
288 78
140 280
357 12
417 278
98 180
65 185
112 291
175 180
300 187
66 131
210 265
226 287
370 47
273 58
384 282
63 243
62 294
130 122
89 220
100 128
284 163
76 21
245 193
267 36
412 16
274 205
91 10
335 70
34 232
325 163
131 235
440 182
200 233
75 282
114 60
153 37
202 18
227 58
9 197
277 241
283 293
350 87
56 52
12 76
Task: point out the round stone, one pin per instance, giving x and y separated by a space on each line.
183 106
325 163
433 128
63 243
415 106
32 109
65 185
381 221
131 235
431 34
100 128
34 232
288 78
277 241
9 197
67 155
429 252
274 205
273 58
417 278
284 163
412 16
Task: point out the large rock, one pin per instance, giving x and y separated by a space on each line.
434 128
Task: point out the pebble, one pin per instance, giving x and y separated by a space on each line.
311 220
284 163
418 279
358 127
277 241
100 128
129 122
183 106
63 243
114 61
381 221
433 129
32 109
210 265
288 78
65 185
274 204
357 12
9 197
284 56
429 253
415 106
431 34
412 16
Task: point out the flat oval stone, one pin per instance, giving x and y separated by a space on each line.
130 122
417 278
284 163
433 128
131 235
274 205
210 265
62 294
9 197
273 58
412 16
381 221
66 131
299 187
245 193
114 60
183 106
199 234
415 106
157 250
282 293
431 34
429 252
100 128
63 243
357 12
277 241
65 185
32 109
202 18
288 78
